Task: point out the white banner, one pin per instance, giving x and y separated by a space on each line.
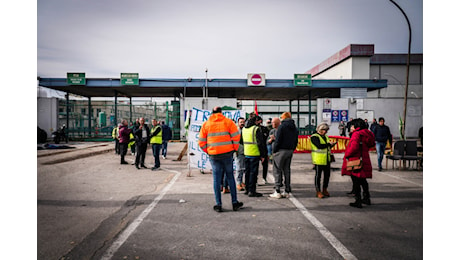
198 158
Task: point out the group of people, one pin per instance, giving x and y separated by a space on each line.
246 142
138 137
221 139
361 140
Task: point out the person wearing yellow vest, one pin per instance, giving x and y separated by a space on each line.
156 140
116 138
255 150
219 138
321 158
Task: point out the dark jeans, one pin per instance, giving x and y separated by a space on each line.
141 148
265 168
117 146
327 174
123 150
252 170
156 148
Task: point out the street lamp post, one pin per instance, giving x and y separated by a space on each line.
403 131
205 91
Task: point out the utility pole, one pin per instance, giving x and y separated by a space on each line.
403 130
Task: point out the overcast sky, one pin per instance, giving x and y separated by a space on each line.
180 38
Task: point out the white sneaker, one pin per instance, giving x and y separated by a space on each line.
163 157
285 194
275 195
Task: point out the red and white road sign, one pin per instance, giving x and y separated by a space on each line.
256 79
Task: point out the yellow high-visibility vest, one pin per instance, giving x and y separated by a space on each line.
132 140
250 141
157 139
115 133
320 156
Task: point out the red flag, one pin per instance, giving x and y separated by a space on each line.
255 108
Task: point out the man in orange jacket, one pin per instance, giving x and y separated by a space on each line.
219 138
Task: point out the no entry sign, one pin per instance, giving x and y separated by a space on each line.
256 79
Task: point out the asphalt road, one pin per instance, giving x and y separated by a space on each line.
91 207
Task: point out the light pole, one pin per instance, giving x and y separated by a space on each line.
403 130
205 91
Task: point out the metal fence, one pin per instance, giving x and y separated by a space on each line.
96 121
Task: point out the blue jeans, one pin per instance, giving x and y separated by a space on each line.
164 148
223 169
380 147
156 154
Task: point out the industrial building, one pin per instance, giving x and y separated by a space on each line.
354 82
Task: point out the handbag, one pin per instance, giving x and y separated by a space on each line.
353 165
356 164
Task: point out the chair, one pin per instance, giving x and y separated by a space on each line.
398 153
411 154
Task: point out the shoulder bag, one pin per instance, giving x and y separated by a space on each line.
357 164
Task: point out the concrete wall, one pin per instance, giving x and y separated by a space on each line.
388 108
47 114
351 68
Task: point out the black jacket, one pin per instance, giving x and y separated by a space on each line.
167 133
382 134
286 136
138 135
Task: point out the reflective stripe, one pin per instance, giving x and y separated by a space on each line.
220 143
234 134
218 134
320 151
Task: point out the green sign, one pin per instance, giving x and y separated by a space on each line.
302 80
76 78
129 79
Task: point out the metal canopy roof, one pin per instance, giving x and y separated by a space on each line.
274 89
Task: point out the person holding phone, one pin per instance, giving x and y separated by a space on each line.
321 158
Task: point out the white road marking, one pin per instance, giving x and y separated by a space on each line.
339 247
402 179
132 227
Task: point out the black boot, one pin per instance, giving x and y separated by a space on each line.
357 203
366 198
